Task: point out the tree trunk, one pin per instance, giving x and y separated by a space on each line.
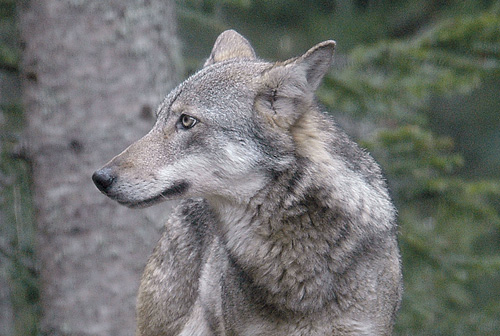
94 72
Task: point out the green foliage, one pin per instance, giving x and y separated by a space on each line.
445 223
9 57
18 235
7 9
17 232
398 78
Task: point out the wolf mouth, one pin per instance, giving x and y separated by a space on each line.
177 189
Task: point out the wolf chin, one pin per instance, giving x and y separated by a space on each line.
286 226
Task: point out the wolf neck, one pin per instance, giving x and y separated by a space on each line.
282 238
289 239
280 245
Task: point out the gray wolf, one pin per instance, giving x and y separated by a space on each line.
286 226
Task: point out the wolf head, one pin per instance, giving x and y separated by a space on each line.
221 133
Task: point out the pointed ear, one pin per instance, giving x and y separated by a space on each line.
230 45
287 90
316 62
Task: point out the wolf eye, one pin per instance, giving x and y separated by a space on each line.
186 121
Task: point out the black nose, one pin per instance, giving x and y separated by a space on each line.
103 179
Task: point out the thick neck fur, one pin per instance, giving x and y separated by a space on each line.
290 239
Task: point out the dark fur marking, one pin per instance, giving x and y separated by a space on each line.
198 214
297 177
179 188
352 258
247 285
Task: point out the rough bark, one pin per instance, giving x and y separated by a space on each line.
94 72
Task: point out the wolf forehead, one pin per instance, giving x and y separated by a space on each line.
228 83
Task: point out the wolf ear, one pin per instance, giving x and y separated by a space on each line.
316 62
230 45
288 87
304 72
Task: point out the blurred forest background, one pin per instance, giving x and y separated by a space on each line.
415 82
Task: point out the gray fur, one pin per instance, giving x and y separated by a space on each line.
287 227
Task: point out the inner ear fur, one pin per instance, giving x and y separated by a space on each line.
230 45
316 62
288 87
